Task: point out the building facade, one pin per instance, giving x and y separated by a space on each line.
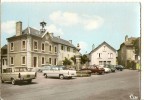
34 48
103 54
127 52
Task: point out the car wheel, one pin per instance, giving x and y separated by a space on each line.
61 76
13 82
102 72
70 77
45 75
29 81
2 81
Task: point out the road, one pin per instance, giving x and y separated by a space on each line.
112 86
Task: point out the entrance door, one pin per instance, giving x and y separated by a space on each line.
35 61
104 62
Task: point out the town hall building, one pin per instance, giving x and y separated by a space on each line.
35 48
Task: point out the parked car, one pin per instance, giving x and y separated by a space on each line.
15 74
119 67
106 69
112 67
94 69
60 72
44 67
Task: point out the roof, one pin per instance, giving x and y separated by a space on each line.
32 31
130 41
62 41
104 43
4 47
35 32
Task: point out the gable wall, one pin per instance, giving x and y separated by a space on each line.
104 56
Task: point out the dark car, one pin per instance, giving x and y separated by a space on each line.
119 67
111 67
94 69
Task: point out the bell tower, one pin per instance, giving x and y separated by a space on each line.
43 24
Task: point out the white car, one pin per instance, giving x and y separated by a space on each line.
107 70
60 72
15 74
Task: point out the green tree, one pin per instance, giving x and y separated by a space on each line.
67 62
73 59
84 59
136 44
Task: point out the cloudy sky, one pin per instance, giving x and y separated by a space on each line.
83 23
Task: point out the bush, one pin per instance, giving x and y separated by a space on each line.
85 73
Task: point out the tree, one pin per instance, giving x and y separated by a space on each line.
84 59
136 44
73 59
66 62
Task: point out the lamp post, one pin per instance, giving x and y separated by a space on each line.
78 59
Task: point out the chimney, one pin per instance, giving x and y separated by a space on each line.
70 41
93 47
18 28
51 34
59 37
126 38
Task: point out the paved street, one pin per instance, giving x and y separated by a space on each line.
112 86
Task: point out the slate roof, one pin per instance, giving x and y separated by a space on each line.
101 45
35 32
62 41
4 47
32 31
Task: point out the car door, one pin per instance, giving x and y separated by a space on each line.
55 72
7 75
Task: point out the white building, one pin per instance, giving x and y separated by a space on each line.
103 54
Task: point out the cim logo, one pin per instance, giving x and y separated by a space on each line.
133 97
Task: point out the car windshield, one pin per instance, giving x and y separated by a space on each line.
20 69
63 68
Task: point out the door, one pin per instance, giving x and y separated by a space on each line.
35 61
104 62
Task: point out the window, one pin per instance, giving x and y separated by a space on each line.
43 47
8 70
4 51
35 45
100 62
111 55
12 46
50 48
55 49
55 61
62 47
99 55
74 50
3 61
43 61
108 55
109 62
68 49
11 60
104 49
50 61
23 60
23 44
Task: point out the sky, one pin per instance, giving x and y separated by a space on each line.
83 23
